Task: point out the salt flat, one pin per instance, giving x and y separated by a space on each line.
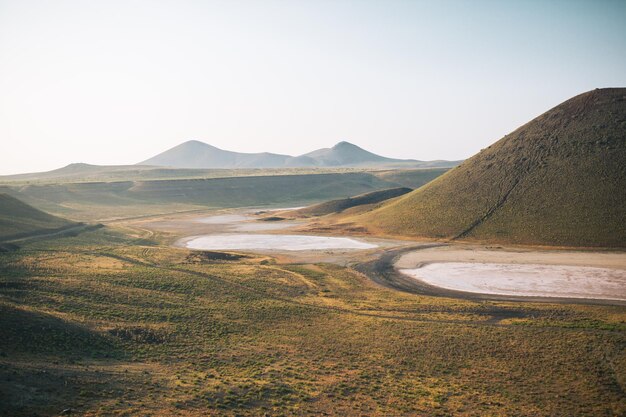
251 241
531 280
519 272
224 219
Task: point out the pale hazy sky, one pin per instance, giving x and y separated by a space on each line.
115 82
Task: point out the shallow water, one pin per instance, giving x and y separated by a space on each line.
525 279
275 242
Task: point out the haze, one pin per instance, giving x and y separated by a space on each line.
116 82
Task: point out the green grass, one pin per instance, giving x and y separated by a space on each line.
337 206
18 219
411 178
76 173
106 326
95 201
558 180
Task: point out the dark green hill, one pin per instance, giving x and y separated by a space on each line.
336 206
18 219
411 178
105 200
558 180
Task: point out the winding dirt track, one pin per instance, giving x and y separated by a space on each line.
383 271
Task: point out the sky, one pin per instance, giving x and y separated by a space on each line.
116 82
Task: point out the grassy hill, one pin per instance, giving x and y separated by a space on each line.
18 219
103 200
339 205
348 154
558 180
80 172
412 178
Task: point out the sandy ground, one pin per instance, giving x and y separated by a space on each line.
526 273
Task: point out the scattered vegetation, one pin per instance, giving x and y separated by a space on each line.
101 325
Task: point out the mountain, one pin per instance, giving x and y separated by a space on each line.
196 154
347 154
558 180
18 219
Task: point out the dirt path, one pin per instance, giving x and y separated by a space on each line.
384 270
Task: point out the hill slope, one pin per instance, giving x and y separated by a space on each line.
80 172
411 178
91 201
18 219
558 180
336 206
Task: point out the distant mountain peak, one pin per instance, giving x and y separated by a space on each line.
197 154
196 144
345 144
78 165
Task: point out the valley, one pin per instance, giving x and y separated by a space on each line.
120 320
543 275
364 291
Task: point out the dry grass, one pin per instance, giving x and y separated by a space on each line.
106 327
558 180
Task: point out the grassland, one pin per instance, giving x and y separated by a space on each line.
411 178
18 219
98 201
339 205
558 180
109 325
79 172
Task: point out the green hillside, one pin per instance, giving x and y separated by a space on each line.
18 219
558 180
339 205
107 173
103 200
412 178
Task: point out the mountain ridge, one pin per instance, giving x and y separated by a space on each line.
197 154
